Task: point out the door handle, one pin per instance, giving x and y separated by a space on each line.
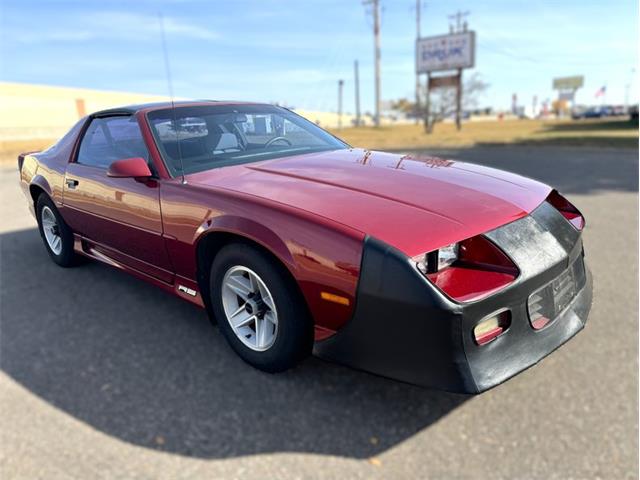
71 183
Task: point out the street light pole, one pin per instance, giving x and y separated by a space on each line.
357 85
340 85
627 89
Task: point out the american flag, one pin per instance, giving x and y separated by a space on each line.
601 91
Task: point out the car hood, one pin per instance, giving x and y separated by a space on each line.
415 203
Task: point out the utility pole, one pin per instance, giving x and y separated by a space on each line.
458 16
376 34
417 108
627 89
356 73
340 85
375 6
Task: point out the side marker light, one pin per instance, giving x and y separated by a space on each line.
331 297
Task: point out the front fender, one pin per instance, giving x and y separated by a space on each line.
322 257
250 229
308 255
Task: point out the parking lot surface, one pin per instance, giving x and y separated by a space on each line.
104 376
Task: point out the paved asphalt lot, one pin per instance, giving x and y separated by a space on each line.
104 376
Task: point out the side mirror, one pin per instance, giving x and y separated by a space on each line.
129 168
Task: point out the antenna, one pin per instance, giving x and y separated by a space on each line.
170 85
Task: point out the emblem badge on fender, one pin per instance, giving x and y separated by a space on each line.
188 291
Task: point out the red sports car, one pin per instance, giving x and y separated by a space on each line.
430 271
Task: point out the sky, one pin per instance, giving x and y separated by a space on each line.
294 52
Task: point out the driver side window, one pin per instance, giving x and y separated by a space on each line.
110 139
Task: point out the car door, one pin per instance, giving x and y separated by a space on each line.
118 217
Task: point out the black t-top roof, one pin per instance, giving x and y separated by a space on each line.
133 109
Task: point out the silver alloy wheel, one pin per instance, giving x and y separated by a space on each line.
249 308
51 230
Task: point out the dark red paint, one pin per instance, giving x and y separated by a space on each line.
129 168
482 269
468 284
488 336
567 209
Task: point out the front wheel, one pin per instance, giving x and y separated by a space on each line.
258 309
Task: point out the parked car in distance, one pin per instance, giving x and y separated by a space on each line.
594 112
578 111
601 111
431 271
619 111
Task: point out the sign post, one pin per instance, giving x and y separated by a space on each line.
455 51
459 100
427 104
567 87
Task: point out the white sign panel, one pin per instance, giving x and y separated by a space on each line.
568 83
445 52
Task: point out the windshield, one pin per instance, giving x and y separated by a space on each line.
204 137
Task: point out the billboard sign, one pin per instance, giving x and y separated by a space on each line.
568 83
445 52
449 81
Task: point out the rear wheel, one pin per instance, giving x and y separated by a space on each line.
55 233
258 309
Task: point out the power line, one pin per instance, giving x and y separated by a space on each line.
544 59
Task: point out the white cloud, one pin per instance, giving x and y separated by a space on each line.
26 36
137 25
111 25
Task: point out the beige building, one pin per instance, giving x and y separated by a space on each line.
40 111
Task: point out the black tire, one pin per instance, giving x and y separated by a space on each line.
66 257
294 338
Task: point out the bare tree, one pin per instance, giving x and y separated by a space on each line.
442 102
403 105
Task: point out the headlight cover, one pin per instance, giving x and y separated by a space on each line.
447 255
468 270
438 259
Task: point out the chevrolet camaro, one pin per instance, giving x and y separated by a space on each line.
430 271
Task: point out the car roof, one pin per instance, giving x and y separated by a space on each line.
133 109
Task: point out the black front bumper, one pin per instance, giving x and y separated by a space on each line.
404 328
